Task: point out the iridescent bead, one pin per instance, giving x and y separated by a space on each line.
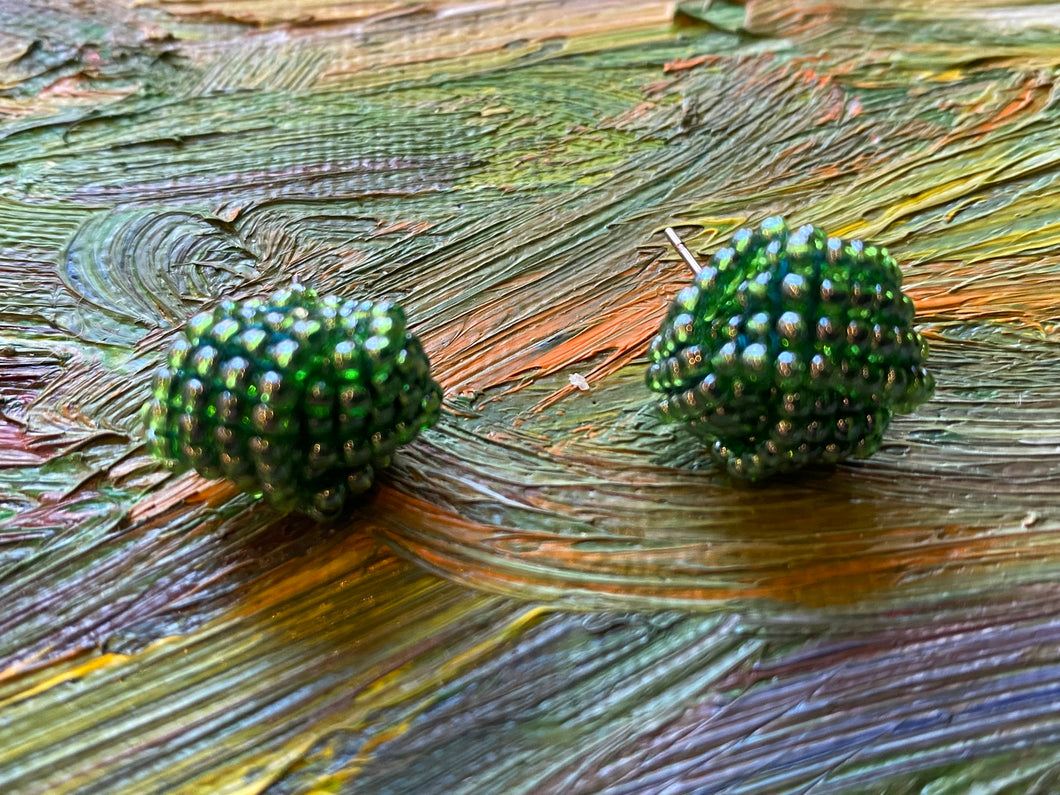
804 348
297 397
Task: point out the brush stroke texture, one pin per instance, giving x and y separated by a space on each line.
549 591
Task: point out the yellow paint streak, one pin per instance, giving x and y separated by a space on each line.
81 669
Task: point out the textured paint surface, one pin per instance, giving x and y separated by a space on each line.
550 590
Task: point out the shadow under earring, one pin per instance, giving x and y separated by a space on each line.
789 348
297 397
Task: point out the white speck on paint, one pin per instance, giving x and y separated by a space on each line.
577 380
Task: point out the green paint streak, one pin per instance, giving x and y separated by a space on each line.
512 200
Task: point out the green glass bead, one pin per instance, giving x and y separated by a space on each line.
790 348
297 397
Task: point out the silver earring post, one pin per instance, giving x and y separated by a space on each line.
682 249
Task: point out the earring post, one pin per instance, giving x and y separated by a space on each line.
682 249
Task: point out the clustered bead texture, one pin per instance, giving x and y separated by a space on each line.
296 397
790 348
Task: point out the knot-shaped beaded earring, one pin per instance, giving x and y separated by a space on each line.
789 348
297 397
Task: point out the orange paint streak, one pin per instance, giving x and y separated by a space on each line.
624 334
188 488
478 355
807 571
831 581
680 64
988 290
411 227
1035 95
346 553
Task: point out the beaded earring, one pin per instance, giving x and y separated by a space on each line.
297 397
789 348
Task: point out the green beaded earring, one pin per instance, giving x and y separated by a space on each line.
297 397
789 348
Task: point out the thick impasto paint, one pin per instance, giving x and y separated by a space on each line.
551 590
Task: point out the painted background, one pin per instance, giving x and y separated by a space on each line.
550 592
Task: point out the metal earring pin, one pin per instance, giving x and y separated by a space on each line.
682 250
298 397
789 348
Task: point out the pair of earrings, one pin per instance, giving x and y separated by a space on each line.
789 348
